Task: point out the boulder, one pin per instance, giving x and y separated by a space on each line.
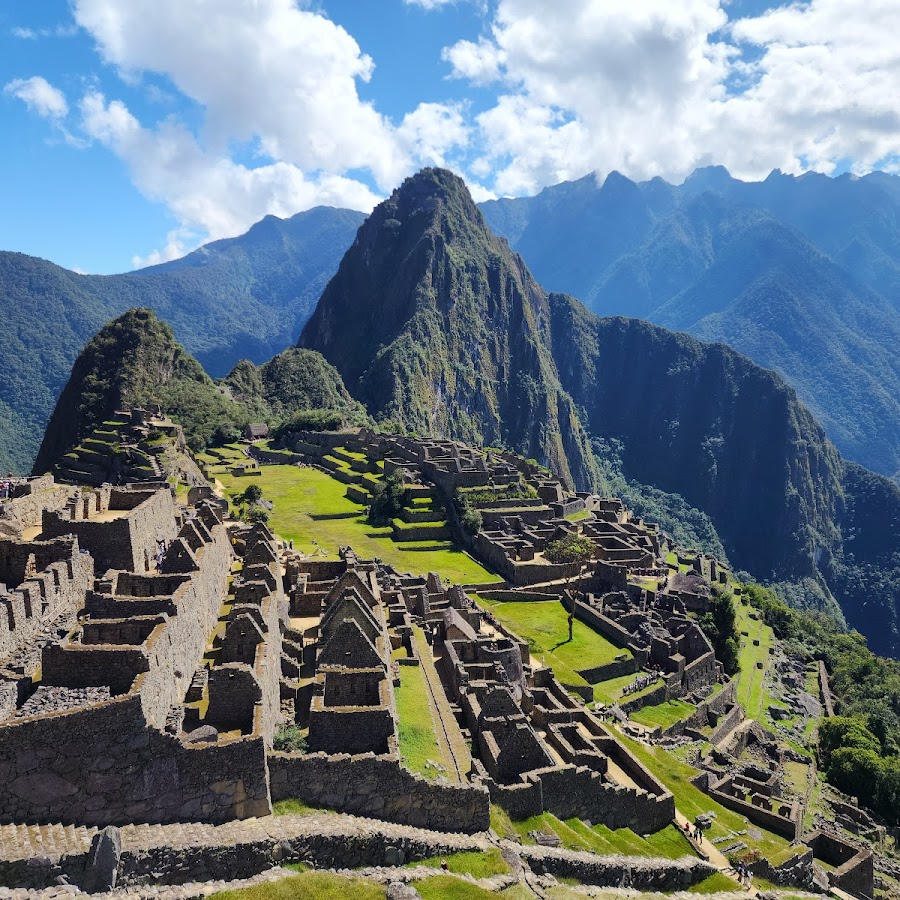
102 867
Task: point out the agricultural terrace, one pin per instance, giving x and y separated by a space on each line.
311 509
544 625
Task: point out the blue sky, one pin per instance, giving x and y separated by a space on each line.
137 129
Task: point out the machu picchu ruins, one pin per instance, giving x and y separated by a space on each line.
171 667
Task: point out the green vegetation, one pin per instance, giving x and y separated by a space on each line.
419 747
478 864
448 887
663 714
668 843
296 387
544 625
311 510
714 884
289 739
720 626
389 497
860 748
309 886
292 808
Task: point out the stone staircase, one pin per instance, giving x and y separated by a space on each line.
28 841
22 842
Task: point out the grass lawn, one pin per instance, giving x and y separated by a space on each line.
478 865
447 887
751 693
309 886
691 801
715 883
293 808
611 690
663 714
418 742
311 510
544 626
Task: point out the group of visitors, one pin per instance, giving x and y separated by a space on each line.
6 487
160 553
743 874
644 681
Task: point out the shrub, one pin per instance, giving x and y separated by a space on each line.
289 739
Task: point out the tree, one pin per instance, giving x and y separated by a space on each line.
573 548
388 499
253 494
720 626
470 519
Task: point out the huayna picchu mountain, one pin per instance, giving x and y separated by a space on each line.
439 328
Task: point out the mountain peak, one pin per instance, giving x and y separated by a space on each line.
440 329
708 178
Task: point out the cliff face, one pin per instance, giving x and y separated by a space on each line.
702 421
437 327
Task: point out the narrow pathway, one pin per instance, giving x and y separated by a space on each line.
713 854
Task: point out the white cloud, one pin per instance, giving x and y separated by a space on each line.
478 62
211 195
266 70
658 88
39 96
429 4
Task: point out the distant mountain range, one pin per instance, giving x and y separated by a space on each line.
246 297
800 274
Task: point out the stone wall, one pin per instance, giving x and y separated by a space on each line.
632 872
128 542
580 792
26 511
378 787
615 669
57 587
854 867
727 724
766 818
103 764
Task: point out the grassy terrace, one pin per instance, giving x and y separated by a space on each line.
310 508
691 801
419 747
669 843
545 627
663 714
751 692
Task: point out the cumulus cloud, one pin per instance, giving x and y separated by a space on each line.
658 88
39 96
211 195
274 80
